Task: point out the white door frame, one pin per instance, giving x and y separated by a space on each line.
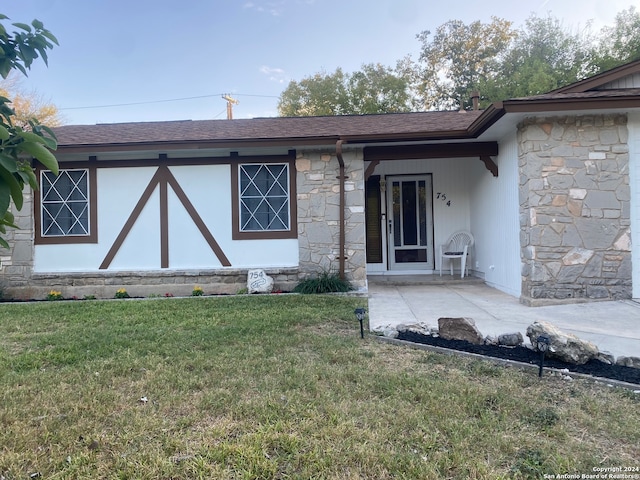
409 233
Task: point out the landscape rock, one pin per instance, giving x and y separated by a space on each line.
259 282
633 362
564 346
606 357
489 340
460 328
510 339
390 332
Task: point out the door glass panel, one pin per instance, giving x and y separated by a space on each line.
411 256
422 209
396 214
409 224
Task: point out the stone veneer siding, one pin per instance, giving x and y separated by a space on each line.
318 231
574 208
319 214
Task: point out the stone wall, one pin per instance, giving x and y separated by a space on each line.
16 264
574 208
144 284
319 214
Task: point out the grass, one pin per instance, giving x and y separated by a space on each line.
278 387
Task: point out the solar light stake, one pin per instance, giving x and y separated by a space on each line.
543 346
360 312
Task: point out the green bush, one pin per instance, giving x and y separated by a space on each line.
326 282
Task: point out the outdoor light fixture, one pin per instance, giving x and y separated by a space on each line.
543 346
360 313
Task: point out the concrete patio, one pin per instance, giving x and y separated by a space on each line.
614 326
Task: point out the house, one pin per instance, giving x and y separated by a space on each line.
548 185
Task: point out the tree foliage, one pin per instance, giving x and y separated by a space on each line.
495 59
373 89
28 105
18 144
543 56
458 58
620 43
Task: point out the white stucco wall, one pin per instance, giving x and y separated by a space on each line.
208 189
495 220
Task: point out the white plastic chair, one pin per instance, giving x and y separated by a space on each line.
457 246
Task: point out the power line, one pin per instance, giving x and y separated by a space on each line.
164 101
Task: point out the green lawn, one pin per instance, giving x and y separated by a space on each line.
279 386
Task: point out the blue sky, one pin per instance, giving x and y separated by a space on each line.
137 51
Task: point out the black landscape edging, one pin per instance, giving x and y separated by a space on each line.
524 355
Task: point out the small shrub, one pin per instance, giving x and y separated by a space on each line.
122 293
243 291
326 282
197 291
89 297
168 295
529 464
54 295
545 417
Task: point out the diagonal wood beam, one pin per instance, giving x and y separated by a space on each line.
164 177
193 213
131 220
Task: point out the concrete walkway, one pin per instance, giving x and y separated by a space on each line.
614 326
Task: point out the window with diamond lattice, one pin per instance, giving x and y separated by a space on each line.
65 203
264 197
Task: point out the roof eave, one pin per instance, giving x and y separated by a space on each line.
554 105
600 79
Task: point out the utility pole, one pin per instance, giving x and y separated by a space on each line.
230 103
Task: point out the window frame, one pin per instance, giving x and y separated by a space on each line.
237 233
92 237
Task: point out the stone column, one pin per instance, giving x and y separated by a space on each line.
319 213
16 264
574 208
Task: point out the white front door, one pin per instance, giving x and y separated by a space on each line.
410 222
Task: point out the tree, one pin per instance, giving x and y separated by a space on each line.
542 56
458 58
620 43
28 105
319 94
373 89
18 145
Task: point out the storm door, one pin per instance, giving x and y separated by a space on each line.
410 222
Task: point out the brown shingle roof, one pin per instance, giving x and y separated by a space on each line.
355 128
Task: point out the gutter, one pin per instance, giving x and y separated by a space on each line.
341 178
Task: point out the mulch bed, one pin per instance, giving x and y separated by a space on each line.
595 368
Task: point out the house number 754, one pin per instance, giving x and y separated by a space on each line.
443 197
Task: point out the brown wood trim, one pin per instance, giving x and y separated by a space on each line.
235 204
438 150
370 169
177 162
573 105
161 178
38 239
490 164
601 79
193 213
198 145
131 220
164 220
